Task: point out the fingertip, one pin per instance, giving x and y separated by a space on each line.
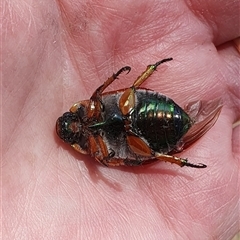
236 140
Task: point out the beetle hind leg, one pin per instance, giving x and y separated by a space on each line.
179 161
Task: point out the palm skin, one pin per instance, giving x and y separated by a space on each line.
55 55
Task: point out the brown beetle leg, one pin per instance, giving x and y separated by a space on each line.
93 146
110 80
77 105
98 149
141 148
148 72
138 146
96 106
78 148
127 100
114 162
179 161
97 94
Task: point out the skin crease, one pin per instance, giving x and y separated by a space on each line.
58 52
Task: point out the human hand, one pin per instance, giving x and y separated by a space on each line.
57 53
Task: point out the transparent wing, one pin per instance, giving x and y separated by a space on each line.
204 114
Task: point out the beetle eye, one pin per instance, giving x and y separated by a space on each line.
68 127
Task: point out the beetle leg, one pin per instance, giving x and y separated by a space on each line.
78 148
114 162
139 147
148 72
179 161
96 105
136 162
107 160
102 155
79 104
127 100
98 149
100 89
93 146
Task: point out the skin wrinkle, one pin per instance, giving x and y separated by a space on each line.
122 33
129 211
204 11
26 97
156 202
230 227
235 210
113 203
78 194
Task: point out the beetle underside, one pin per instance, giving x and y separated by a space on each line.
136 126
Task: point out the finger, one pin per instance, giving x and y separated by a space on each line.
230 60
230 57
236 141
221 16
236 43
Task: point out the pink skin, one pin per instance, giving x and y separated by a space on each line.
56 53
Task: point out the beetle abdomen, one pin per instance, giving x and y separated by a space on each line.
159 120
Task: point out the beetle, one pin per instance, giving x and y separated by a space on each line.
136 126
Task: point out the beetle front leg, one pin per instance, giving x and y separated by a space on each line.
99 150
76 106
179 161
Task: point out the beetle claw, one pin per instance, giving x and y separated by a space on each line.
198 165
124 69
160 62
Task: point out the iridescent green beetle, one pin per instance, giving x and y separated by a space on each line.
135 126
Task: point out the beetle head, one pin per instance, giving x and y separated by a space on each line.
69 127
